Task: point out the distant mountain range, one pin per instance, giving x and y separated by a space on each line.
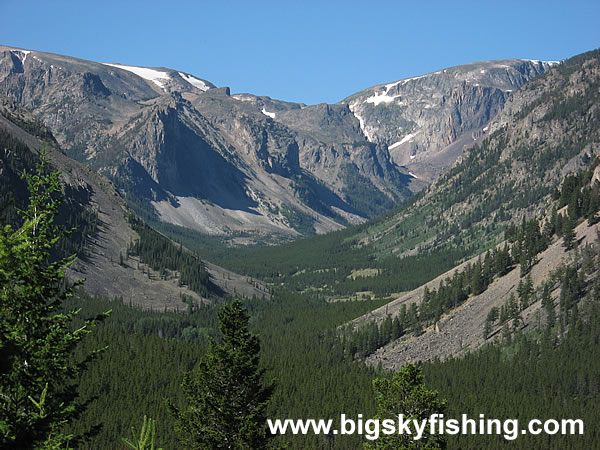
104 226
249 168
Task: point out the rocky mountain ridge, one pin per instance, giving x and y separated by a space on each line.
252 168
550 127
548 130
427 120
105 250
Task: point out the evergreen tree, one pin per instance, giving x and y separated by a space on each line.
548 305
37 369
405 393
477 282
525 291
225 392
569 237
146 438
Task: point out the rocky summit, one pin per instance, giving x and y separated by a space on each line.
426 121
182 151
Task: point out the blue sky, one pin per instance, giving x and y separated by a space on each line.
304 51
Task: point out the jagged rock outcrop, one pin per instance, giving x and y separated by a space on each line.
191 154
426 121
103 259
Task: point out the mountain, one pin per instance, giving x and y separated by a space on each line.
106 228
538 161
549 128
426 121
252 168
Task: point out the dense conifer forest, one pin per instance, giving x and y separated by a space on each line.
318 372
309 354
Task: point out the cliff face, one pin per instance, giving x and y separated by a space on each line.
250 167
547 129
103 229
427 121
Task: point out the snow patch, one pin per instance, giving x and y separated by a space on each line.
413 156
413 175
21 54
485 129
407 138
156 76
267 113
361 121
378 99
537 61
406 80
194 81
242 98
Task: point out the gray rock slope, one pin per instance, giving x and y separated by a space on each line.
253 168
104 262
426 121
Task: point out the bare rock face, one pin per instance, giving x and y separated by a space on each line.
426 121
596 177
103 255
191 154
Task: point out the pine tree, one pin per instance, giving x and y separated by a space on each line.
225 393
477 282
405 393
37 370
548 305
569 237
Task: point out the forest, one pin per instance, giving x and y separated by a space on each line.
315 372
81 371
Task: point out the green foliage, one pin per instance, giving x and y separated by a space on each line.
226 396
36 342
360 193
299 221
74 211
146 438
405 393
160 253
149 352
541 376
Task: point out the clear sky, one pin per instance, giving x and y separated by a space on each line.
305 51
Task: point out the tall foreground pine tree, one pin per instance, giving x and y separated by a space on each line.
225 393
405 393
37 391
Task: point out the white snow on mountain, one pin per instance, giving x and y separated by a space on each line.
406 138
194 81
156 76
537 61
377 99
242 98
21 54
361 121
267 113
